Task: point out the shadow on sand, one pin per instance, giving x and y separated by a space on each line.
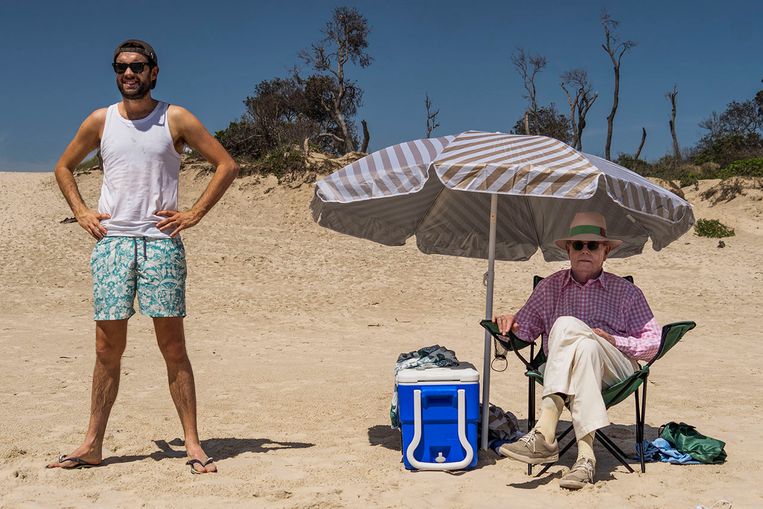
623 435
385 436
218 448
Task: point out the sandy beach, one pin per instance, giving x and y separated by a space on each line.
293 331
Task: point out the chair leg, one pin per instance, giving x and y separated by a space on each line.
564 434
530 412
614 449
639 430
640 424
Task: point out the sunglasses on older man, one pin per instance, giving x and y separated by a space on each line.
135 67
593 245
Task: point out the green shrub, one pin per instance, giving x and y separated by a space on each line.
726 148
709 169
282 160
752 167
712 228
638 165
89 164
726 190
240 139
687 179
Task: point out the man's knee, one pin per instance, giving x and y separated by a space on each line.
173 350
563 327
108 351
587 349
567 322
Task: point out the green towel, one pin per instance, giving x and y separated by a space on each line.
686 439
434 356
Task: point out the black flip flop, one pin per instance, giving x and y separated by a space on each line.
78 462
203 464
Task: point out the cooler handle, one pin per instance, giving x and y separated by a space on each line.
422 465
430 396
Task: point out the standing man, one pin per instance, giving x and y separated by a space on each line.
136 226
595 326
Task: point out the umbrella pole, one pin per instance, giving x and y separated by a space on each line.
488 316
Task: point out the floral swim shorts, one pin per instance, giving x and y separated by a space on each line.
155 269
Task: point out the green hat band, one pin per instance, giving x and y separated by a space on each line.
586 228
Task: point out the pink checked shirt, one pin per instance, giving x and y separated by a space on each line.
608 302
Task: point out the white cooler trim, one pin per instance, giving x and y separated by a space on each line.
420 465
461 373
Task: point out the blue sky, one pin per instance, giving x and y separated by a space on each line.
57 55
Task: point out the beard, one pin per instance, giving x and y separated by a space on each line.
138 93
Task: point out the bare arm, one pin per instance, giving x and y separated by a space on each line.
188 129
85 141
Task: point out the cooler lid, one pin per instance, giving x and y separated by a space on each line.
463 372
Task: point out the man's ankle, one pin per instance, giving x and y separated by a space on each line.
192 444
548 436
94 444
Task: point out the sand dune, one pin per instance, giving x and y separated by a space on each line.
293 331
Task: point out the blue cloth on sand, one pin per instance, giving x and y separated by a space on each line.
661 450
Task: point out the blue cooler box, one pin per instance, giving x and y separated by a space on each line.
439 414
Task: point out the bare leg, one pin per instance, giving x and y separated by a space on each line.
171 338
110 342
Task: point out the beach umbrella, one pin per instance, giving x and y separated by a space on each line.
493 196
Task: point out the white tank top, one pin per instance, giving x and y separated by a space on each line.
140 173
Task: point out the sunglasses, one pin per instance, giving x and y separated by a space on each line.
135 67
593 245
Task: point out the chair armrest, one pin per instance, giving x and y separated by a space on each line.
672 334
510 342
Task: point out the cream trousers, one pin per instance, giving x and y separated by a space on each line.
580 364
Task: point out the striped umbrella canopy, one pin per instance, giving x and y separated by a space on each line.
494 196
439 189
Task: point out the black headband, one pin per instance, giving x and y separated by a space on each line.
137 46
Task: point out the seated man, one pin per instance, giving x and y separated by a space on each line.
595 325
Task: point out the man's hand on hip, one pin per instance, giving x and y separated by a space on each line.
90 220
176 220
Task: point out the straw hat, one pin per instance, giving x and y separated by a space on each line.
588 226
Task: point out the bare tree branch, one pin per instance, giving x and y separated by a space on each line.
366 136
330 135
671 96
432 123
528 66
641 145
579 103
615 48
345 41
586 101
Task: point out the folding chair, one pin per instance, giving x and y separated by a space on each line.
612 395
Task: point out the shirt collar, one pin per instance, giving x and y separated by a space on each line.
569 280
